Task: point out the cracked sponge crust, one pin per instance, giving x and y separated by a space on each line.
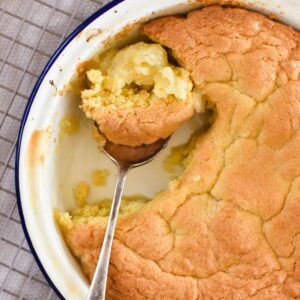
229 228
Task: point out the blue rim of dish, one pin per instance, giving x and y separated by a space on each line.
40 79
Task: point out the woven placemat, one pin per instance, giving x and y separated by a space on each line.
30 31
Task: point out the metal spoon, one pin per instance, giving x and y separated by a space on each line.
126 158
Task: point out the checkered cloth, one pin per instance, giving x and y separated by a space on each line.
30 31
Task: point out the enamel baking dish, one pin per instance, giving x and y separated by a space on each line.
48 166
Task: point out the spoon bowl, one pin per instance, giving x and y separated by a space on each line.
133 156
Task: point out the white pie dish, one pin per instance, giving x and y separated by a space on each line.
45 176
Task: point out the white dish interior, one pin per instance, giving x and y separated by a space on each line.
50 183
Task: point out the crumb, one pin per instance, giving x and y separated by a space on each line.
69 125
99 177
81 193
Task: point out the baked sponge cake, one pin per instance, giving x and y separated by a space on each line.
229 227
136 96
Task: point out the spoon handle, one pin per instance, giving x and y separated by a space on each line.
98 286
